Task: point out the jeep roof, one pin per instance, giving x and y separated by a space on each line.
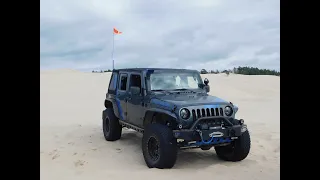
155 69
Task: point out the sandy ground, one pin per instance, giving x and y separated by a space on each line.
73 147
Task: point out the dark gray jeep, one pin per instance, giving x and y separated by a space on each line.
172 109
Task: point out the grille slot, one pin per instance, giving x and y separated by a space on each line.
203 113
208 112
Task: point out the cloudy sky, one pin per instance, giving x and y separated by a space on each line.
210 34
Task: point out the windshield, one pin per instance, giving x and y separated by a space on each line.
174 81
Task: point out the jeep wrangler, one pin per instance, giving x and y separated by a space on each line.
173 110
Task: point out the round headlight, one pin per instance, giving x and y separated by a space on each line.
228 111
184 113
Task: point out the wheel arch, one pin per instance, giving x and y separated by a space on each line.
160 116
112 104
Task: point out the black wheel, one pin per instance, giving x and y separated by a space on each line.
153 148
159 147
111 128
238 150
206 148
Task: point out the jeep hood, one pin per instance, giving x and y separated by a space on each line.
192 99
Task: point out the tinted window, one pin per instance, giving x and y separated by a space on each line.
123 82
113 81
135 80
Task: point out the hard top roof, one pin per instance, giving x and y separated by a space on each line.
155 69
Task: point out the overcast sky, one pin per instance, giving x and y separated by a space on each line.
210 34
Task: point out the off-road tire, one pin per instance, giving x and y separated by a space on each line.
206 148
167 152
237 151
111 128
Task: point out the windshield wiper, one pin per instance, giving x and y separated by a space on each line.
184 89
161 90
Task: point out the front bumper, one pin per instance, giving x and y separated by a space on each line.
211 136
193 135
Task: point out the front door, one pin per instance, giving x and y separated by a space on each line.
135 105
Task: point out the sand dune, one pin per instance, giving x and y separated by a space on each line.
73 146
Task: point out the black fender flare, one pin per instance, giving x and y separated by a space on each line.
115 106
150 113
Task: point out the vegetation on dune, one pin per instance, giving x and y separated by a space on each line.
101 71
245 71
239 70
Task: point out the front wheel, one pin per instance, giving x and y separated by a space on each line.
206 147
238 150
159 147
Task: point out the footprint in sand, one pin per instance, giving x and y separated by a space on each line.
79 163
277 149
54 151
261 146
71 143
55 156
118 150
263 158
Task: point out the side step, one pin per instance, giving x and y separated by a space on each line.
130 126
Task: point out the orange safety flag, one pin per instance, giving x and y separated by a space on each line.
115 31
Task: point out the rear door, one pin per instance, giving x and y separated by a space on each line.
122 94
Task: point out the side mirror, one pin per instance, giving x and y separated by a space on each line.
207 88
135 90
206 81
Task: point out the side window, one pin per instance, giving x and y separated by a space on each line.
123 82
135 80
113 81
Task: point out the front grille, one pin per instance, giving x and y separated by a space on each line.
206 124
206 112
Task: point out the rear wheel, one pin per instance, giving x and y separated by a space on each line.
238 150
159 147
111 128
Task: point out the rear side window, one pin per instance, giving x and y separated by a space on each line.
113 81
123 82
